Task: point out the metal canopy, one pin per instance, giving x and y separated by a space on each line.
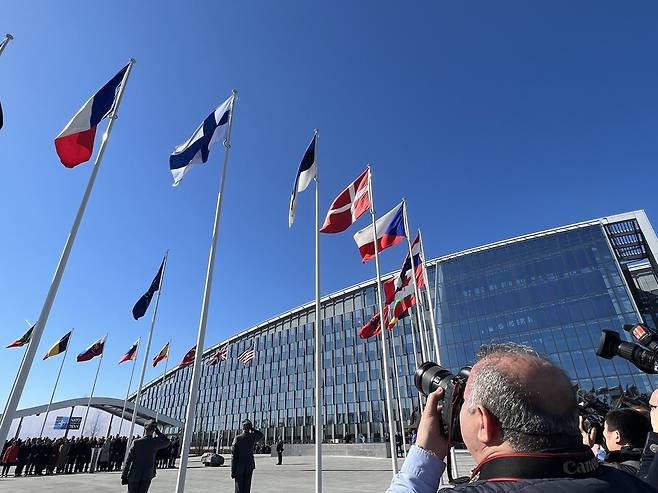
107 404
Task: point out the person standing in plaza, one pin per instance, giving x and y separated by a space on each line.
279 451
139 468
242 462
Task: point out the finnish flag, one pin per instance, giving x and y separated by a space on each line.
196 149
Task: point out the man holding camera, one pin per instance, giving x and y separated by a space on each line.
625 432
519 422
139 468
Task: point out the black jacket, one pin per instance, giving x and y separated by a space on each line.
627 459
243 452
140 464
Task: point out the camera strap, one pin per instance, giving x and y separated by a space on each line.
537 465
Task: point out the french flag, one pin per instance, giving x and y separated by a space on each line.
75 144
390 231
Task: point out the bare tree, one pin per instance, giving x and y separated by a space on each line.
95 425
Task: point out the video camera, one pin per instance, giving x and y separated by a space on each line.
593 411
644 354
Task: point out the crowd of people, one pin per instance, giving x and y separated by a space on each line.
47 456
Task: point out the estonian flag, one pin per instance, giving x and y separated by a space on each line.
196 149
75 144
59 347
143 303
307 171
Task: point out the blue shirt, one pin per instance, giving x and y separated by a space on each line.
420 473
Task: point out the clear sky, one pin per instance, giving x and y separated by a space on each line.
493 119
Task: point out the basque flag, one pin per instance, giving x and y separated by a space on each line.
131 354
390 231
96 349
188 359
305 174
350 204
59 347
75 144
197 148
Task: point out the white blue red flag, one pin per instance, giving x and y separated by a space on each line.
390 231
75 144
196 149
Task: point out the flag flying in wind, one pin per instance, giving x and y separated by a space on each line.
59 347
220 355
405 297
197 148
305 174
188 359
96 349
25 338
390 231
162 355
393 285
131 354
248 354
350 204
143 303
75 144
373 327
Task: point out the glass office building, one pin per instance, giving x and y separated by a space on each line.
554 290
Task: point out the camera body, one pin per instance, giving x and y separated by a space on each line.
430 377
593 412
644 354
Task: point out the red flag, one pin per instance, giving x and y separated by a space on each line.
131 354
373 327
188 359
349 205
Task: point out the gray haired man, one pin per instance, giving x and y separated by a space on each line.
519 421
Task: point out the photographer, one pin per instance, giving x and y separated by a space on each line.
648 462
519 422
625 432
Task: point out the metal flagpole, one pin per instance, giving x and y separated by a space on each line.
319 417
130 383
5 42
61 365
419 301
93 387
196 371
437 356
413 342
219 371
164 374
397 384
17 391
147 350
383 330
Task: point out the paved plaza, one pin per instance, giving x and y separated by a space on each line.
296 475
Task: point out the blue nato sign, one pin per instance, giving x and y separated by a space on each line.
63 423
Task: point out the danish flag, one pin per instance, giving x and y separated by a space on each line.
350 204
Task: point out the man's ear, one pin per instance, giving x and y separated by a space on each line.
489 431
618 438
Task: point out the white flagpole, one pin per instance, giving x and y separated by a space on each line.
130 383
419 301
219 371
164 374
383 330
61 365
196 371
17 391
5 42
147 350
319 417
93 387
413 342
397 384
437 355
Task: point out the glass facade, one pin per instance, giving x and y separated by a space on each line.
555 292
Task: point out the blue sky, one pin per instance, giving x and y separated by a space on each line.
493 119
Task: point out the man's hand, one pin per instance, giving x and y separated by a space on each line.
589 439
430 435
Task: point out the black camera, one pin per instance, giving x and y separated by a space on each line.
593 411
644 358
428 378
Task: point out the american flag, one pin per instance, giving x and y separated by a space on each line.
248 354
220 355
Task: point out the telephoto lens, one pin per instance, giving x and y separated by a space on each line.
430 377
611 345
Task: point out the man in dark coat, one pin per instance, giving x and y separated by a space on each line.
279 452
139 469
242 462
